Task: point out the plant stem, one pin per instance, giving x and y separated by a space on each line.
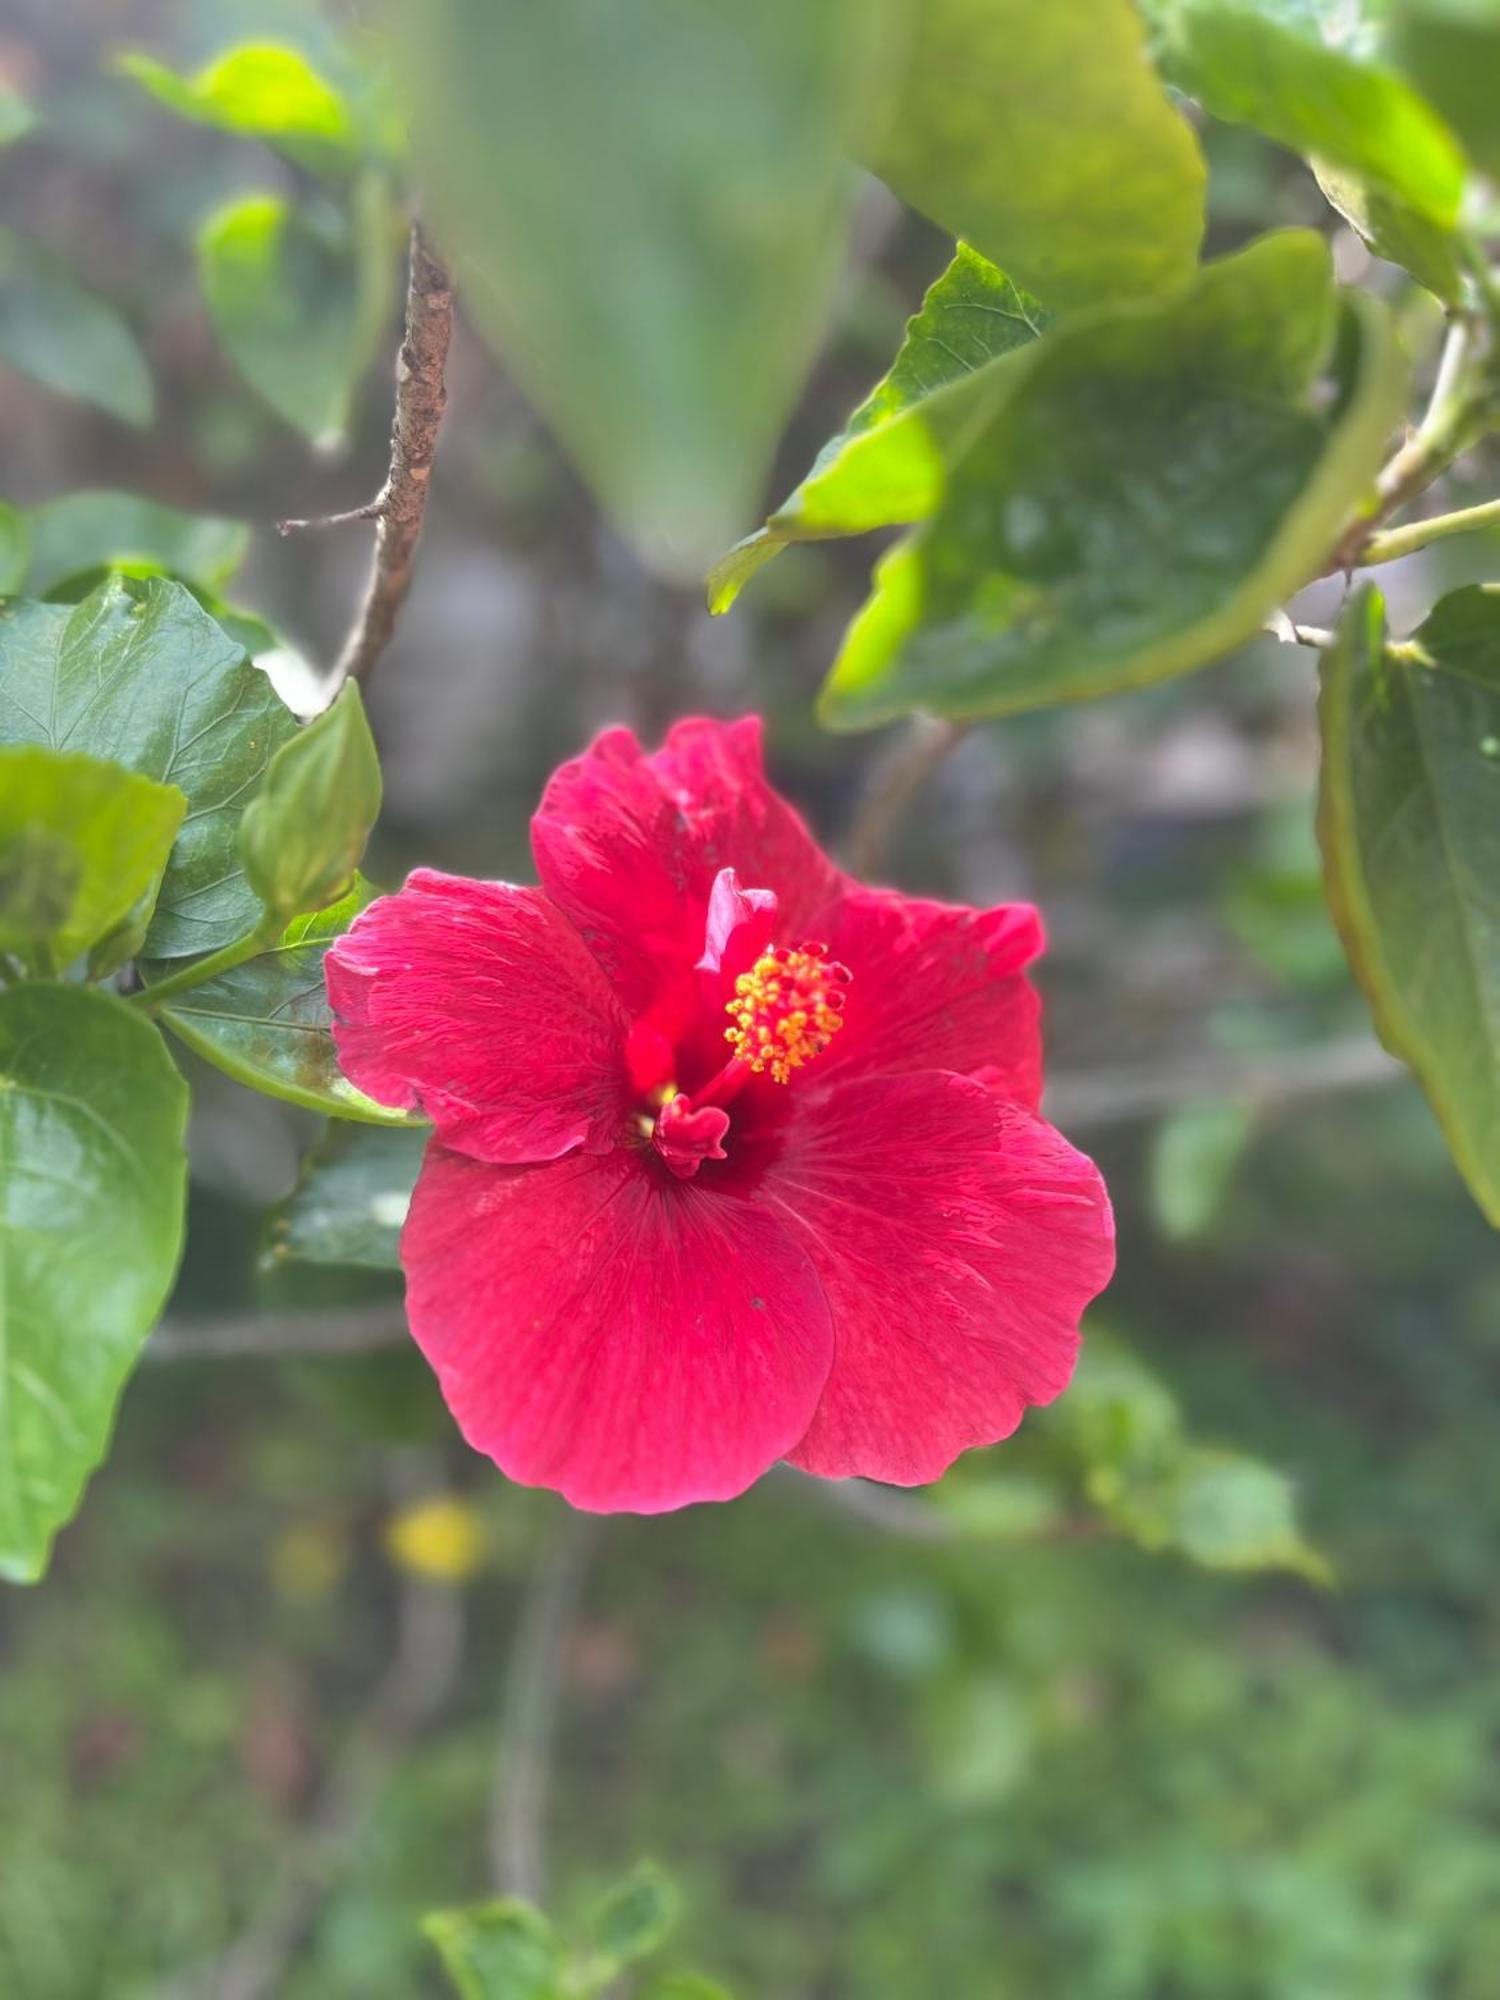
1394 542
149 998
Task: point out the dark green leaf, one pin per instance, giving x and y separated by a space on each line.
635 1917
286 293
140 675
886 465
1409 818
1148 487
352 1198
83 532
649 203
1262 65
82 845
497 1951
303 834
261 90
66 337
1451 51
92 1115
1042 136
266 1023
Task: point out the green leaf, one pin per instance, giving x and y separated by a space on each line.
886 465
16 116
1147 489
140 675
1409 809
650 205
83 532
15 545
93 1173
1451 51
303 834
1262 65
635 1917
82 845
1231 1512
683 1986
351 1200
497 1951
1393 230
261 90
1042 136
266 1022
1194 1154
66 337
286 293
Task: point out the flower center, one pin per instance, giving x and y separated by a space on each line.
786 1009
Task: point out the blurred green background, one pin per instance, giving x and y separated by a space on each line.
1098 1720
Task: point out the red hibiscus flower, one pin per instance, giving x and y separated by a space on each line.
734 1159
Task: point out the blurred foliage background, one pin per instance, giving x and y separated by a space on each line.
1188 1694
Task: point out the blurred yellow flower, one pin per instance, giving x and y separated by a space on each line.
438 1537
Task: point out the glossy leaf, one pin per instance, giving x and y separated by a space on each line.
288 296
82 845
1147 489
351 1200
66 337
140 675
303 834
261 90
649 204
1408 817
1267 66
886 466
498 1951
83 532
1451 51
266 1022
1043 137
92 1116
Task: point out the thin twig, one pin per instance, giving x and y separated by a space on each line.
1405 541
421 1676
894 785
398 507
262 1336
528 1721
1091 1099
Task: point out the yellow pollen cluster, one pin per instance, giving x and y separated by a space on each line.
786 1009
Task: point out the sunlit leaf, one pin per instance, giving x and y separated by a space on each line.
139 674
82 843
886 465
284 291
1042 136
66 337
1147 489
1409 818
498 1951
92 1116
1451 51
648 206
261 90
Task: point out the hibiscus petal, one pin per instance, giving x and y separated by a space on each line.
958 1239
629 844
936 986
604 1329
477 1004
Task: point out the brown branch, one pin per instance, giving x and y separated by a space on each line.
398 507
894 785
